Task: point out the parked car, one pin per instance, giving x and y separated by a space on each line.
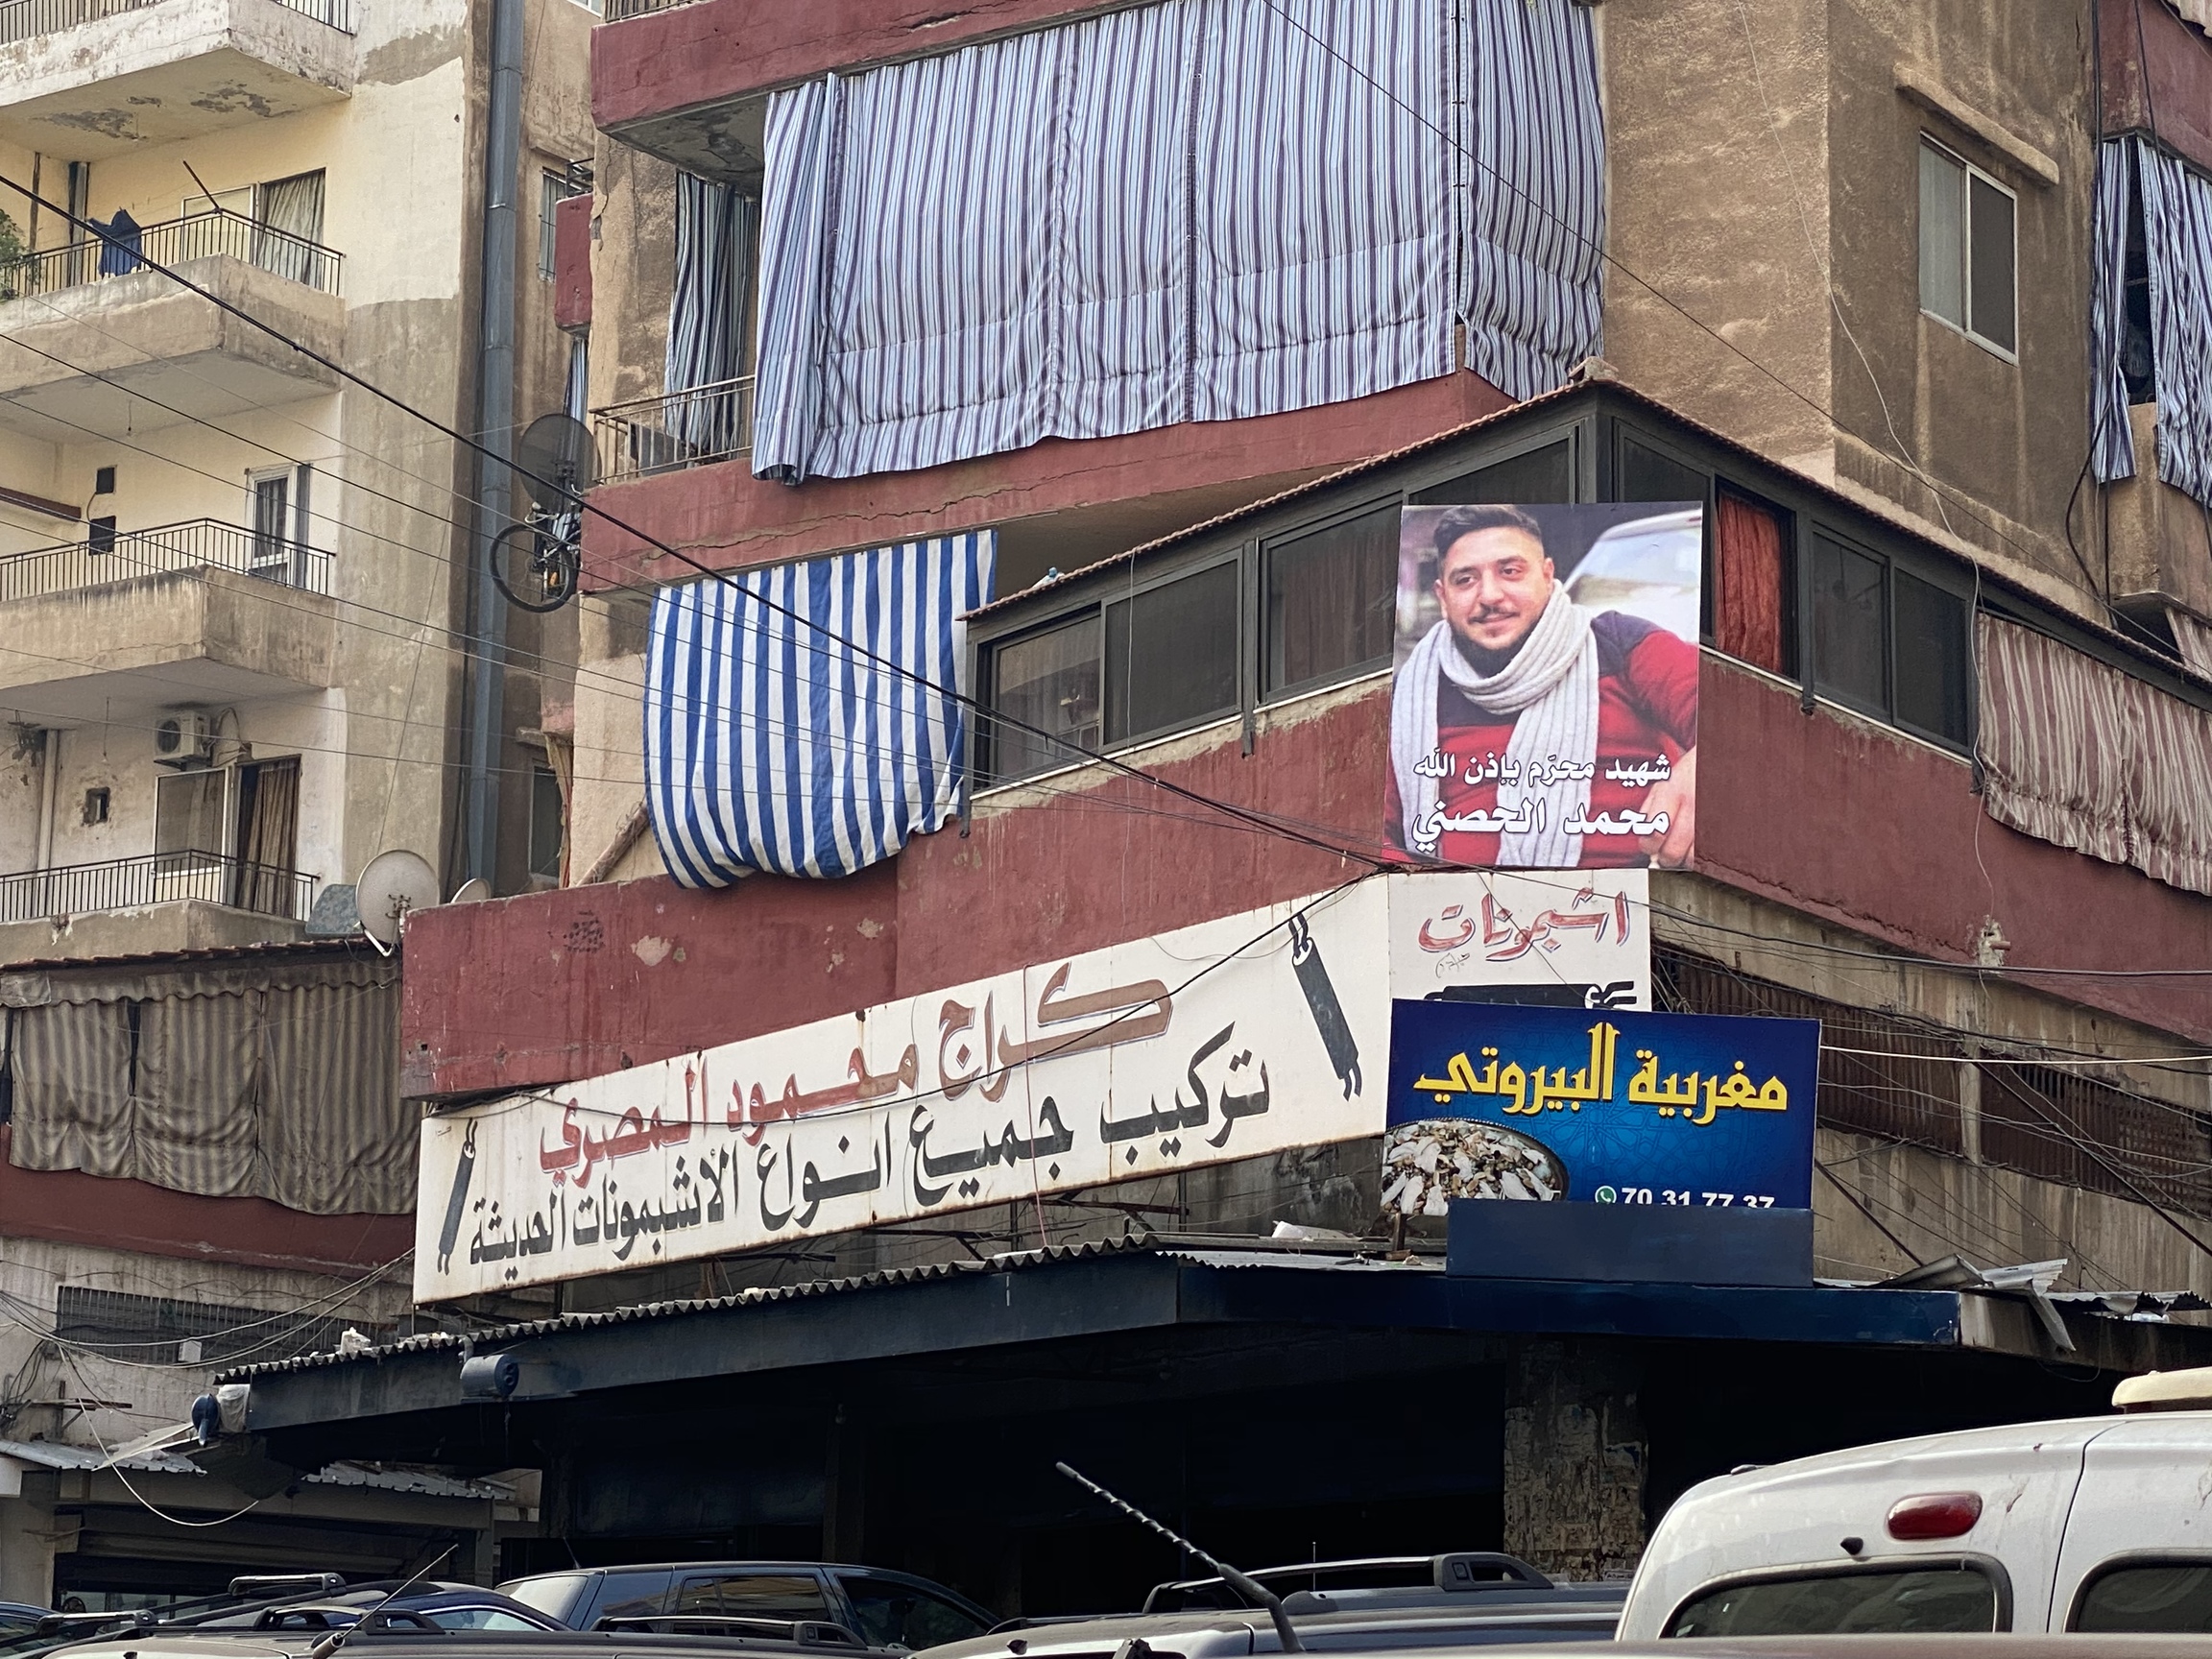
2095 1524
886 1609
447 1606
1371 1605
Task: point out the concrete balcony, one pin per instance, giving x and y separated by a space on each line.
189 614
2161 547
82 350
84 79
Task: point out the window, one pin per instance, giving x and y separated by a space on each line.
478 1619
2172 1598
556 1594
96 803
1332 600
271 553
621 1596
545 826
1890 643
288 230
1755 603
1850 642
896 1614
1046 682
1956 1596
552 191
1545 475
100 535
755 1595
1171 655
1967 248
188 816
102 480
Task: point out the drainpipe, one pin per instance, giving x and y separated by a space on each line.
496 427
49 797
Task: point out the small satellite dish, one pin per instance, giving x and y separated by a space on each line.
558 461
471 891
393 883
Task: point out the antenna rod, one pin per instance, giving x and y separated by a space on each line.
330 1644
1252 1591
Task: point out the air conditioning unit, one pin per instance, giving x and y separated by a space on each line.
184 735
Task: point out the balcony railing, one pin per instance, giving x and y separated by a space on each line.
617 9
675 430
119 556
197 236
28 19
158 878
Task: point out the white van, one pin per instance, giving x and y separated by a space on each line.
2095 1524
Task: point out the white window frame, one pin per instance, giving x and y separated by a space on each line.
2009 355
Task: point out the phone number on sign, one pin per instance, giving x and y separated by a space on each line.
1682 1195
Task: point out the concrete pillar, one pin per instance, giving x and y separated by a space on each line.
1574 1459
25 1548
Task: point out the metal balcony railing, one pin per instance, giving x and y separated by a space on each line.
674 430
617 9
158 878
28 19
109 556
195 236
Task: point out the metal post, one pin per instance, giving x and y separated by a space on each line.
496 427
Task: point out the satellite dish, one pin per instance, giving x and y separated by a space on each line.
558 461
471 891
393 883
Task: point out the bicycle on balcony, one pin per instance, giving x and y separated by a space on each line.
538 563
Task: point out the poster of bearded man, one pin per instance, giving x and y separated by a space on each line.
1544 702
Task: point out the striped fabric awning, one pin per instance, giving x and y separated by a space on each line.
802 718
1191 210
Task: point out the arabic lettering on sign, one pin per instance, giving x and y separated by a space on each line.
1250 1034
1590 1108
1577 938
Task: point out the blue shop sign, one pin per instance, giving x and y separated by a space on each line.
1489 1101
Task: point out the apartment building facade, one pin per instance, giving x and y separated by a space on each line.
236 615
1901 297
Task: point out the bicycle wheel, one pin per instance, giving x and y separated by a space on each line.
534 571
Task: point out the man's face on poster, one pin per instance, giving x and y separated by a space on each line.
1493 586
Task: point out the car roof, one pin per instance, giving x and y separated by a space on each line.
705 1567
199 1643
2004 1440
1423 1623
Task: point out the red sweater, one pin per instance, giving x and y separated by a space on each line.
1646 710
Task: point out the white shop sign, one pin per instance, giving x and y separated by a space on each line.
1233 1038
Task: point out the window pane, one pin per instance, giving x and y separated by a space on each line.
188 812
2175 1600
1931 659
1950 1599
892 1614
1850 654
1050 683
1991 245
1545 475
1942 238
544 822
621 1596
553 1594
1171 655
1758 597
756 1594
1648 476
1332 600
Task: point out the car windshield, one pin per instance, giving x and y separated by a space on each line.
477 1618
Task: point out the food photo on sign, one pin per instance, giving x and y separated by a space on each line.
1544 702
1606 1107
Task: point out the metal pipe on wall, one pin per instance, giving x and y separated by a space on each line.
496 427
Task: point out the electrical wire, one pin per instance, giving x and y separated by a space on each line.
145 1502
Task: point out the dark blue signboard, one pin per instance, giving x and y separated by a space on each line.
1494 1101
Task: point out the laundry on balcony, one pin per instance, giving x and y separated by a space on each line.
119 250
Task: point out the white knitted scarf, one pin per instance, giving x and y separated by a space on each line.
1551 684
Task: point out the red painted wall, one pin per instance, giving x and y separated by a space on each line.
725 518
70 1208
713 50
1844 820
2158 75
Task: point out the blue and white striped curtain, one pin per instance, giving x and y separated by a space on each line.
801 719
2177 248
1197 209
716 227
1536 198
2112 447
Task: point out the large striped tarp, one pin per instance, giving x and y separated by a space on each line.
1191 210
802 718
2177 211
